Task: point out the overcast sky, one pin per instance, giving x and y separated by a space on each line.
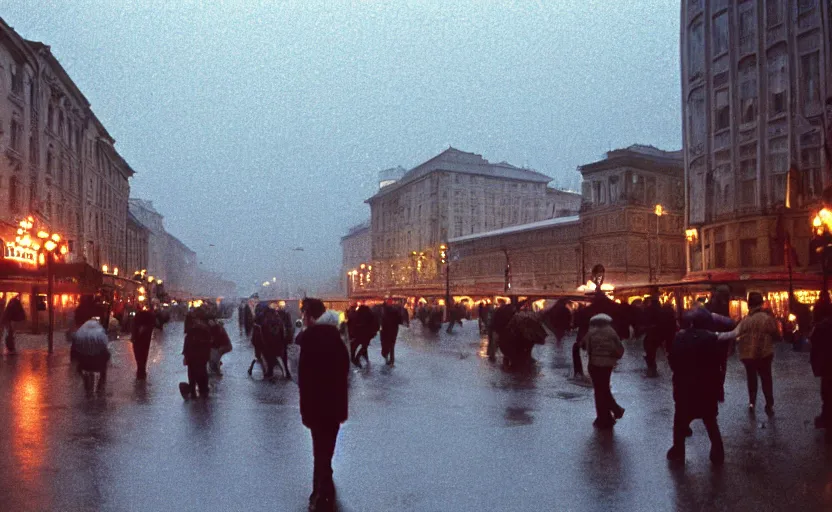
260 126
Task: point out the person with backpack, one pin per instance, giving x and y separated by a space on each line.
605 349
197 353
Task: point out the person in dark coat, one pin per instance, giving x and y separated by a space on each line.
695 359
661 327
820 358
323 384
241 315
86 310
248 317
143 325
13 313
391 318
197 353
365 328
560 319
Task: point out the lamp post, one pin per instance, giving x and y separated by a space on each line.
822 240
659 211
49 242
443 258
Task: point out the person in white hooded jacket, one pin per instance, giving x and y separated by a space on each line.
605 349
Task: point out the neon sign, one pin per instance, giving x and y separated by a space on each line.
19 253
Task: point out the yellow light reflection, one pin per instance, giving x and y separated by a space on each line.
28 443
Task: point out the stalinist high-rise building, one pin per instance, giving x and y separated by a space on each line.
755 82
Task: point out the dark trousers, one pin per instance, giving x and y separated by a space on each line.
388 348
681 424
198 378
141 348
358 349
651 347
10 345
577 364
761 368
323 448
605 404
826 399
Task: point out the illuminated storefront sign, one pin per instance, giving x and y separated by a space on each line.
15 252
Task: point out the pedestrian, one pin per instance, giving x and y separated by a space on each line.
560 318
241 315
322 381
599 304
220 345
248 316
89 346
13 313
390 320
197 352
365 329
695 358
661 328
604 347
143 325
820 358
756 334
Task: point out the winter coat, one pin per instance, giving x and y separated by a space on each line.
90 340
143 325
603 344
322 374
821 355
14 311
756 335
695 358
366 324
197 346
391 318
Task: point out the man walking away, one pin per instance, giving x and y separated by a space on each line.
143 325
390 320
695 359
366 327
756 335
322 380
605 349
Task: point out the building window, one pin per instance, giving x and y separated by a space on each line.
810 81
748 91
747 31
14 195
778 188
778 80
597 192
720 34
774 12
637 190
15 135
50 161
17 80
696 51
50 114
651 190
748 192
748 246
33 193
719 255
804 6
722 119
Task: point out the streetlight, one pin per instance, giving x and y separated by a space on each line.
822 240
659 211
48 243
443 258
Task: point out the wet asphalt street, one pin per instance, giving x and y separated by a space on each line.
445 430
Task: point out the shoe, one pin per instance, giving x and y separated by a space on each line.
769 411
185 390
676 454
603 425
618 413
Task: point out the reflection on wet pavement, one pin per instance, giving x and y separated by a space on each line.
445 429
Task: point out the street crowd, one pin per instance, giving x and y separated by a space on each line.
697 342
